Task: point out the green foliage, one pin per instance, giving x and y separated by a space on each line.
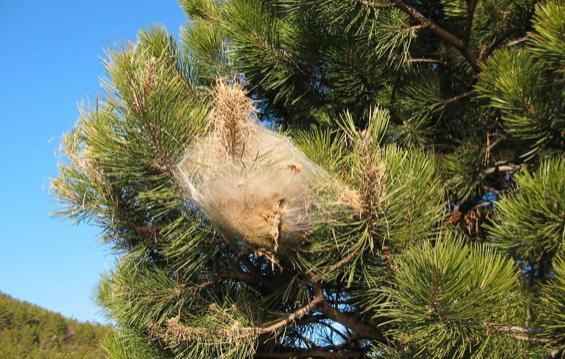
400 187
28 331
125 344
422 113
491 23
131 141
548 40
552 308
531 223
322 146
531 106
462 170
138 295
264 48
444 295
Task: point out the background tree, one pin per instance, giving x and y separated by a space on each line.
443 118
28 331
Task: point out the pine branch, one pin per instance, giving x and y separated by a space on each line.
314 278
248 278
485 53
518 333
442 33
296 315
177 332
503 167
458 97
517 41
425 61
361 329
471 7
331 327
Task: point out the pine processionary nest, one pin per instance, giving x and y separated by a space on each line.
253 184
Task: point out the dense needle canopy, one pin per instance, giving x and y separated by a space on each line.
435 227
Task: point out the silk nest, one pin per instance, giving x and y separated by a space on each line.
253 184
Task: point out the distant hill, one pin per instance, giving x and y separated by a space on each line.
31 332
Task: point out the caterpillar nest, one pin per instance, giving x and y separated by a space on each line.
253 184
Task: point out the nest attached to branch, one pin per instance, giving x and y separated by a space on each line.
253 184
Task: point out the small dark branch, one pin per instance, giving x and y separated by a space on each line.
485 52
471 6
294 316
516 332
457 98
239 276
513 329
442 33
500 168
334 267
360 329
176 332
426 61
244 260
517 41
393 97
527 338
148 231
373 4
335 331
499 43
247 278
309 343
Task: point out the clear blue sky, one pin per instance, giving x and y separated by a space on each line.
50 61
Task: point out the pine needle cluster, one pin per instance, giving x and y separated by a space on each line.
418 147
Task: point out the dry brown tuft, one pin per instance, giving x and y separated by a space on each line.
230 118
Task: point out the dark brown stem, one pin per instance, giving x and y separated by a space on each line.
458 97
294 316
471 6
360 329
426 61
499 43
517 41
442 33
336 266
516 332
176 332
332 328
505 167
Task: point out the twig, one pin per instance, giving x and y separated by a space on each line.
503 167
497 43
471 7
517 41
457 98
425 61
361 329
317 277
445 35
516 332
177 332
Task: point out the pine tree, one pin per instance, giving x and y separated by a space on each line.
426 218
